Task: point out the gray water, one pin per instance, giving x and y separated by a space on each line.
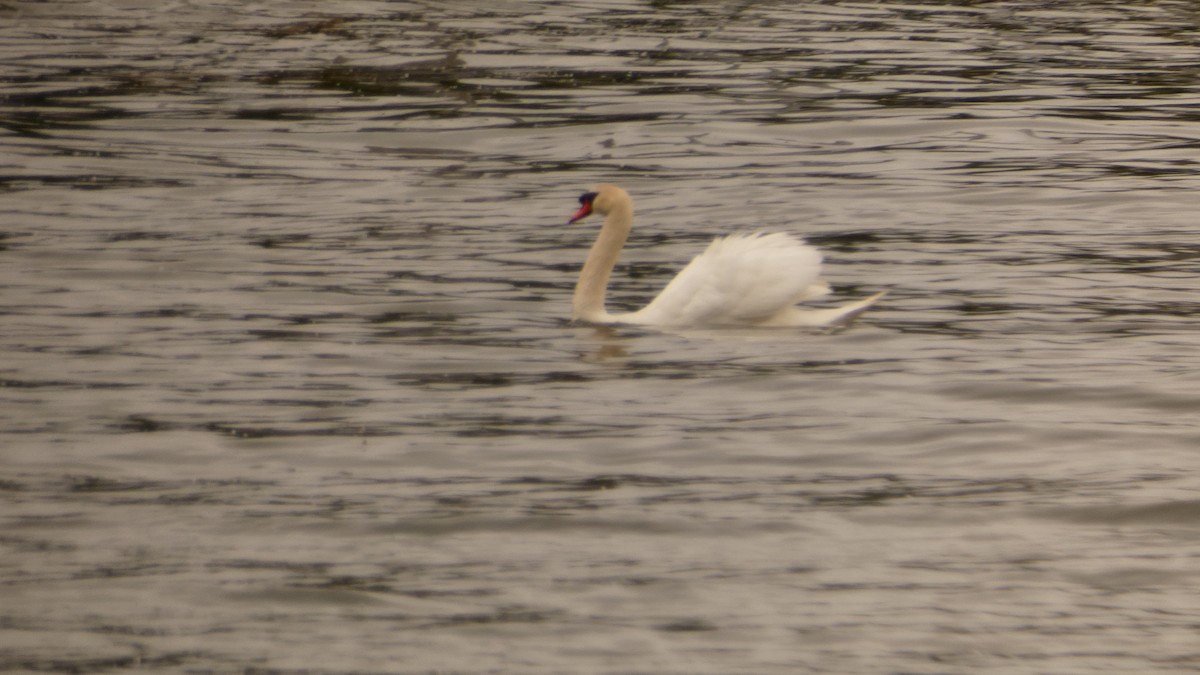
289 386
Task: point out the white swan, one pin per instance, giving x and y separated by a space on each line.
739 280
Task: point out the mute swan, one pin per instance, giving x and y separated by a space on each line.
739 280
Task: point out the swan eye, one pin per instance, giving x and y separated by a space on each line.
587 198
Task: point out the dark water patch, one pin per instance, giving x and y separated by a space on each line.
611 482
94 484
466 380
539 496
138 492
1181 513
455 381
306 567
300 429
368 584
688 370
690 625
54 384
281 334
275 114
173 312
43 115
298 319
1032 392
92 665
327 25
1134 579
423 317
85 182
977 493
135 235
127 630
482 425
127 569
503 615
448 525
282 240
434 593
310 597
30 545
142 424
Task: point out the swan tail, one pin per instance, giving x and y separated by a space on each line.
825 317
851 310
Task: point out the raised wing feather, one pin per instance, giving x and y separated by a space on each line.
738 280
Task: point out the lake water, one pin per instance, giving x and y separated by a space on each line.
289 385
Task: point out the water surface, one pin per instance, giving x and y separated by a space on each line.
288 384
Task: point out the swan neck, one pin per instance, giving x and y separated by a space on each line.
590 291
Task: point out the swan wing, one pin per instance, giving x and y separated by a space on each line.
739 280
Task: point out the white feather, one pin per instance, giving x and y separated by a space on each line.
738 280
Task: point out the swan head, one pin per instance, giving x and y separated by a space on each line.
602 199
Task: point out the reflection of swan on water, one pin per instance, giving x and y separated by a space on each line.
739 280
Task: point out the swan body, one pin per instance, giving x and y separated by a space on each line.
739 280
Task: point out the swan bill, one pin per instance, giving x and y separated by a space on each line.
585 207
